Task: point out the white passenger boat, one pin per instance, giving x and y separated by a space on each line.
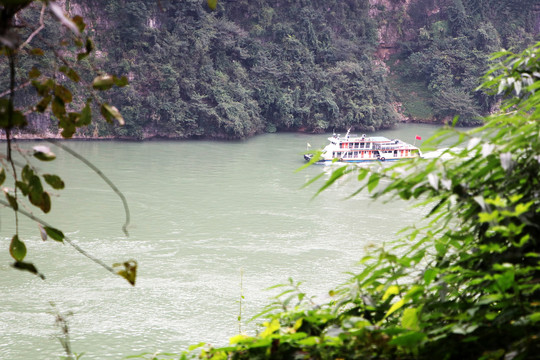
355 149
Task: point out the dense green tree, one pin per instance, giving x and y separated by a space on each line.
275 63
242 69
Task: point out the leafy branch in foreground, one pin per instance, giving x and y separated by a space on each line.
58 70
467 284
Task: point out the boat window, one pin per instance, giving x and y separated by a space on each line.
361 145
356 145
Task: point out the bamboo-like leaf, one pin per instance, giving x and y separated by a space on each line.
429 276
271 327
373 181
396 306
336 174
392 290
409 319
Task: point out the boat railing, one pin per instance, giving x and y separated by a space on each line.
391 147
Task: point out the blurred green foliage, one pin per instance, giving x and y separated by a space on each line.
449 51
465 284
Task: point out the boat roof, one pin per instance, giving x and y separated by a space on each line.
367 138
378 138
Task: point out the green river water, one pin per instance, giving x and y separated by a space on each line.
202 214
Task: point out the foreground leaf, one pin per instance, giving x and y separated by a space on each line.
27 267
127 270
110 113
54 234
54 180
212 4
17 249
43 153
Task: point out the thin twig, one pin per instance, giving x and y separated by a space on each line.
41 27
102 175
21 86
11 56
66 239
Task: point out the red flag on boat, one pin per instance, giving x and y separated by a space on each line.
418 137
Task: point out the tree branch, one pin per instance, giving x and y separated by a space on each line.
68 240
41 27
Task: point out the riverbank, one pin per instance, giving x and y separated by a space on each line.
25 136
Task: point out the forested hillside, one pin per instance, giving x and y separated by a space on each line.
263 66
444 50
248 67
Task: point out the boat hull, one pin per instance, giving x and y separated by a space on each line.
337 161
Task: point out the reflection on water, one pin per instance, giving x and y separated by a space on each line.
202 212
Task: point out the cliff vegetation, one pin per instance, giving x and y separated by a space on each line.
249 67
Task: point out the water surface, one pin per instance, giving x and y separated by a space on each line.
203 212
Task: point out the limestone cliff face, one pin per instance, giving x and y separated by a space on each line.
399 20
390 15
